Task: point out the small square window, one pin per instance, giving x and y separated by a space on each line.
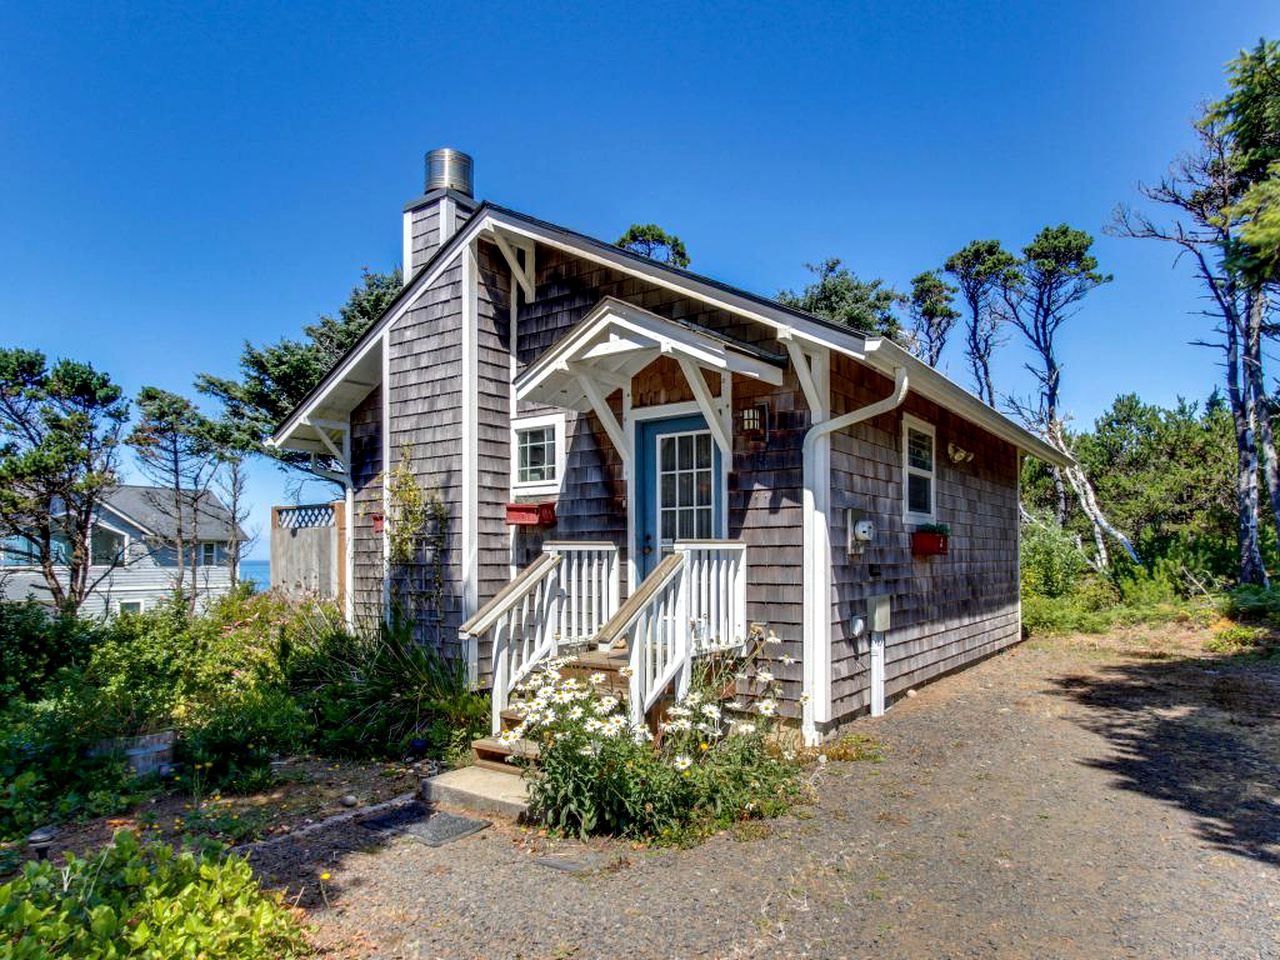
536 455
129 606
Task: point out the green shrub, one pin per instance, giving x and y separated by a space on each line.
232 740
45 775
36 644
146 902
370 693
598 775
1052 564
1239 638
1249 602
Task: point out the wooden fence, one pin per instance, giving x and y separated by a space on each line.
307 549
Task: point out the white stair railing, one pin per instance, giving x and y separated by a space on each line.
561 599
693 603
589 587
716 581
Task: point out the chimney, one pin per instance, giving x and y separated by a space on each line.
449 169
434 217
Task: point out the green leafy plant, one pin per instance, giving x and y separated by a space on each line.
145 902
596 774
940 529
369 693
232 740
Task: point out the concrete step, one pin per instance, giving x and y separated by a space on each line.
478 790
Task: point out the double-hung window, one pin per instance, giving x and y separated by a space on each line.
537 454
208 554
919 471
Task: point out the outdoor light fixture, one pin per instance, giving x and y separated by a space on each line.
753 422
959 454
40 840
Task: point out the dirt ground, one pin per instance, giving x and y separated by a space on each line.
308 790
1076 797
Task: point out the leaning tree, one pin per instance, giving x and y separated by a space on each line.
1056 271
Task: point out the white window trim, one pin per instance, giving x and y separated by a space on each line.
205 544
556 420
140 601
913 423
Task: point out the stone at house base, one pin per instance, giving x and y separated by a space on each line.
478 790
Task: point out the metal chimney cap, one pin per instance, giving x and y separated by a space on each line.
449 169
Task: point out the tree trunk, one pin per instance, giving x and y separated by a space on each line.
1088 500
1255 381
1060 491
1242 415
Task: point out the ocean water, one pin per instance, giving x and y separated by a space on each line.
258 571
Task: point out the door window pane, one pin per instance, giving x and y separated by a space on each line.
686 489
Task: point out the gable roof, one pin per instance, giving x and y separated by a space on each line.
151 510
878 352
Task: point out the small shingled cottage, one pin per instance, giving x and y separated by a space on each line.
644 463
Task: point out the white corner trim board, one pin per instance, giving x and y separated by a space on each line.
470 449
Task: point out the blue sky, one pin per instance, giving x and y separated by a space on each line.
175 179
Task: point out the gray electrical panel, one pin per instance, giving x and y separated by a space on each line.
878 613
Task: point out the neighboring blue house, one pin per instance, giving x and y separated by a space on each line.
134 562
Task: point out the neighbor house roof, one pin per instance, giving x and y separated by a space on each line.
348 380
152 510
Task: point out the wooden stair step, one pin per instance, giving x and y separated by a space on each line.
492 752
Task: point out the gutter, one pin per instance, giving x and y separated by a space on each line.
817 553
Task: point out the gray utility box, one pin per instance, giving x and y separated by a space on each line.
878 614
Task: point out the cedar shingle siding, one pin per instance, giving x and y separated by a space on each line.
426 426
366 477
946 611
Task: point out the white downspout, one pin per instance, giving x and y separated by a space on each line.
817 585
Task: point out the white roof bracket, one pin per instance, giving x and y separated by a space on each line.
804 372
702 393
600 404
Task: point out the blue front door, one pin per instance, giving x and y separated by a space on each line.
678 480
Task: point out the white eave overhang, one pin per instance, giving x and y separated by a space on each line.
886 356
615 341
316 427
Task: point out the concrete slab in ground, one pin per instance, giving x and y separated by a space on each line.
479 790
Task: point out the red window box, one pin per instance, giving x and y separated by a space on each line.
531 514
925 544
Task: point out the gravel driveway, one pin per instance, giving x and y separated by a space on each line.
1068 798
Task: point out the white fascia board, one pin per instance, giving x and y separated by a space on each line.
373 337
649 331
885 356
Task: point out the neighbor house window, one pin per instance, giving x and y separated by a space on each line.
18 552
538 452
919 470
106 547
23 551
208 554
129 606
